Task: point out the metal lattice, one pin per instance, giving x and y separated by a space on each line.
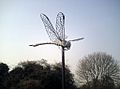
57 36
53 35
60 28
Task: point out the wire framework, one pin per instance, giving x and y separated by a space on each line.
57 36
60 28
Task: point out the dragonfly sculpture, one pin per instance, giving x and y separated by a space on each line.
57 37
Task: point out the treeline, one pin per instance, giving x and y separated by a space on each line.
94 71
34 75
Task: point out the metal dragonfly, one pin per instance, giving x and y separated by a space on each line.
57 36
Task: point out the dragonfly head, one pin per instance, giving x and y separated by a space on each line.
67 45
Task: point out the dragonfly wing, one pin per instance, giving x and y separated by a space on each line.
60 29
49 28
77 39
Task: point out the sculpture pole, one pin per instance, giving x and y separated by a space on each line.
63 67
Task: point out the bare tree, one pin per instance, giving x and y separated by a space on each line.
96 66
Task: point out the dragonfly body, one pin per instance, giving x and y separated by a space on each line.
65 44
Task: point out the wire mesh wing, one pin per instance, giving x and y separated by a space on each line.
53 35
60 29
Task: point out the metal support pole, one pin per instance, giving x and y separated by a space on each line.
63 68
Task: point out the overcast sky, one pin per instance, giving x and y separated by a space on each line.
98 21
